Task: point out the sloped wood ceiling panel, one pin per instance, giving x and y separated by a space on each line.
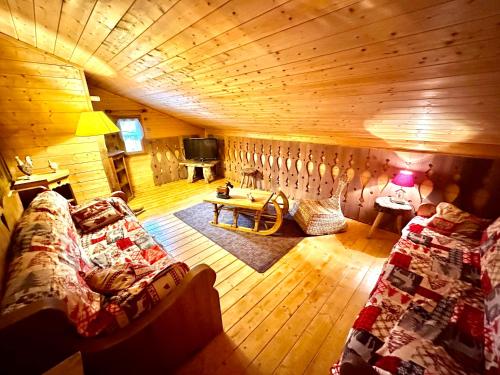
422 74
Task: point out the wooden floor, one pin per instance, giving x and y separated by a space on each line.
292 319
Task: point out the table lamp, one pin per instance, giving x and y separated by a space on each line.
403 179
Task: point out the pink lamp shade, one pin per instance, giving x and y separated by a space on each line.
404 179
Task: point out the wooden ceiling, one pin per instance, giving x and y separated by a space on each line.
420 74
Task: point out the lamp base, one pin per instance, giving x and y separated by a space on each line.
400 197
398 200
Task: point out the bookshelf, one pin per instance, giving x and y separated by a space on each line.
120 173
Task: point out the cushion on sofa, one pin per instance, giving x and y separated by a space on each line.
46 261
51 202
127 242
95 215
112 279
490 282
128 304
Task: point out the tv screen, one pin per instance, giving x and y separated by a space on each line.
200 148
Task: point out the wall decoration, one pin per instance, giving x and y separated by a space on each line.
426 186
165 156
53 166
26 166
311 171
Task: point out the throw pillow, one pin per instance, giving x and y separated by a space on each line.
451 220
112 279
95 215
426 210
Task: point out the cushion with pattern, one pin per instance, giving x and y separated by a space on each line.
452 221
112 279
95 215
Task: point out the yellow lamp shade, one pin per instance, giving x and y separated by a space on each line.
95 123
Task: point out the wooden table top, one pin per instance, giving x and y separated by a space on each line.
199 163
239 199
40 179
386 202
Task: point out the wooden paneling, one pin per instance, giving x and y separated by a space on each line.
156 124
39 107
160 129
165 156
415 75
10 211
311 171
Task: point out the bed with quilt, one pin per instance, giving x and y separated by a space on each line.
90 278
435 307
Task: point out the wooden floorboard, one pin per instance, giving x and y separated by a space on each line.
291 319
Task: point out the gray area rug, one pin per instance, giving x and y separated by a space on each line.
259 252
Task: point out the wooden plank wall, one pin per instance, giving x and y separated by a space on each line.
160 130
417 75
166 153
41 98
310 171
10 211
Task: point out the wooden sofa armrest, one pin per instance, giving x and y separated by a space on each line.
164 337
36 337
10 320
198 277
120 194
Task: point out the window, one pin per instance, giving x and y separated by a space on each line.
132 134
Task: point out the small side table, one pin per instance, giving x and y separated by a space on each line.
385 205
57 181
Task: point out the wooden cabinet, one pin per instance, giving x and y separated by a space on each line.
120 176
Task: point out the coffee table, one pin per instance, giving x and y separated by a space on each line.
257 209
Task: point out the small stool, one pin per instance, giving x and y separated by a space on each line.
248 177
385 205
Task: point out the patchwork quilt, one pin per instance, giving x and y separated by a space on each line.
106 277
156 273
426 314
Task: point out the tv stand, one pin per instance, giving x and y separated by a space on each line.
207 166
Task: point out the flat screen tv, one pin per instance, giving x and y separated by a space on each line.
200 148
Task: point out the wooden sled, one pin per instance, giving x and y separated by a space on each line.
267 210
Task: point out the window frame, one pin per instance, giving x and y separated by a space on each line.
139 119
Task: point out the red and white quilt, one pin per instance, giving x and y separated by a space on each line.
106 277
426 314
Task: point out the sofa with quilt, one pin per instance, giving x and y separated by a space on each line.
89 278
435 307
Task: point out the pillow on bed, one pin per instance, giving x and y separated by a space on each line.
95 215
451 220
426 210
